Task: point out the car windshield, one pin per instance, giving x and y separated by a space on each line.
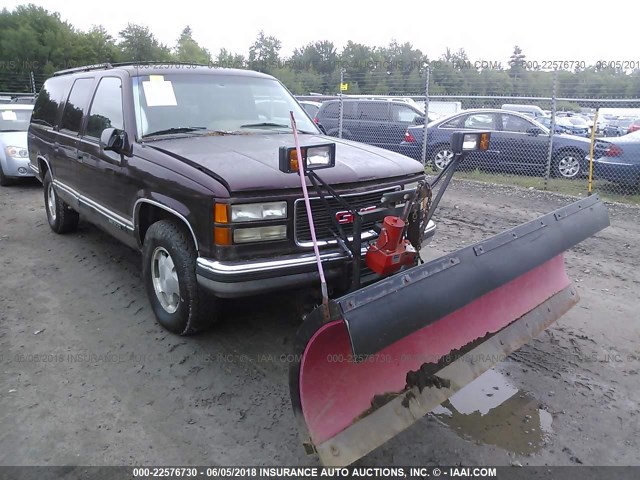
197 104
13 120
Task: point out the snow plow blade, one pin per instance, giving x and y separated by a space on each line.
391 352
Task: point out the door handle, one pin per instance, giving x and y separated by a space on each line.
80 157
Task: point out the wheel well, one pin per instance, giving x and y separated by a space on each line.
148 214
43 167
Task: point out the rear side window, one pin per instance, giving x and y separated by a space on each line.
53 92
74 109
401 113
106 108
331 110
373 111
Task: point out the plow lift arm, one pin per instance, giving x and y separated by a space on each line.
373 362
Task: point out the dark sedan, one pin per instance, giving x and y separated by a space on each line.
618 160
518 144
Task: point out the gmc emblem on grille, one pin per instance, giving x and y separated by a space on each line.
346 216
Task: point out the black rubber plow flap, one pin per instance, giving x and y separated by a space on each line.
393 351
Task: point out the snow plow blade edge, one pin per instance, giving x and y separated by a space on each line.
392 351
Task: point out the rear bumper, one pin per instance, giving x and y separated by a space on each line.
251 277
619 172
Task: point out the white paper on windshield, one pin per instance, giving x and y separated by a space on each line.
159 93
9 115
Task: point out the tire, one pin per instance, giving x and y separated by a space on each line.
169 275
4 180
567 164
62 218
441 157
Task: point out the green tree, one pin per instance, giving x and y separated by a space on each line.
188 50
139 44
264 54
226 59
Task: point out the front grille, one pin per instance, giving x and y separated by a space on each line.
321 217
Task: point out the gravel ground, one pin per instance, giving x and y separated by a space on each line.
88 378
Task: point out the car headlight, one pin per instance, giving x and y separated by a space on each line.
260 234
16 152
319 157
411 186
251 212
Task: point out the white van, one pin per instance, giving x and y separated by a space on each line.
530 110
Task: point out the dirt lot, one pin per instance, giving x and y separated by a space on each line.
88 378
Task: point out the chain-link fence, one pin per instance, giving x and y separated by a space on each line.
546 141
570 145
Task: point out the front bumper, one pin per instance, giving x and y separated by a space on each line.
16 167
252 277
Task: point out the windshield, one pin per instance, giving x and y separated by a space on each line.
178 103
14 120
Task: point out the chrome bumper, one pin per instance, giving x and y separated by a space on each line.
250 277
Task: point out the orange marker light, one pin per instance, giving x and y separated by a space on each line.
221 213
222 236
484 141
293 161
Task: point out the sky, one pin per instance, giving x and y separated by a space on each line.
488 30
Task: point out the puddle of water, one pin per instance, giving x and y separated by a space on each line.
491 410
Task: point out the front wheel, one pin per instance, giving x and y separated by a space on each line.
169 273
568 164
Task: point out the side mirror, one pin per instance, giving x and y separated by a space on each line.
535 131
115 140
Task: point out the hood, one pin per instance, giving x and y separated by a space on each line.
15 139
251 162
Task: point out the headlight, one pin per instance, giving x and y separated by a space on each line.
411 186
260 234
258 211
319 157
16 152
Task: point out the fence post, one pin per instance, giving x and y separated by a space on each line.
341 104
426 118
33 83
553 128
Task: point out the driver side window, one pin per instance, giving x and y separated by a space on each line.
106 108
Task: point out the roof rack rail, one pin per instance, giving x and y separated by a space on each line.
142 63
86 68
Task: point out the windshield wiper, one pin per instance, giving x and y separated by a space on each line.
273 124
265 124
169 131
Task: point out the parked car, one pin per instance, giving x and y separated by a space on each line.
370 121
518 144
14 157
184 165
546 121
311 107
635 126
618 160
618 127
574 125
